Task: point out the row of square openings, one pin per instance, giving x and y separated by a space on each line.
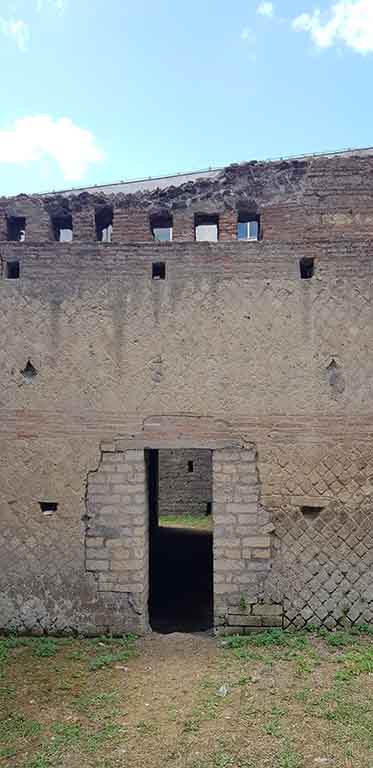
306 269
206 227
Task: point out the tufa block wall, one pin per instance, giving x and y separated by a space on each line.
185 490
231 352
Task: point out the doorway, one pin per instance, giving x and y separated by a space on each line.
179 483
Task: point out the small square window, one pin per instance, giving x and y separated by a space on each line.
206 228
16 228
161 227
247 227
48 507
158 270
311 513
12 270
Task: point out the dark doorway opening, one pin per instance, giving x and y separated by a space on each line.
181 542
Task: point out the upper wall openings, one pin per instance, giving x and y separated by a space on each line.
159 227
309 198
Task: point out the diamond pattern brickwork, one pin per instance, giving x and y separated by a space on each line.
322 566
43 583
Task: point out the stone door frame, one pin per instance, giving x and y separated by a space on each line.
117 535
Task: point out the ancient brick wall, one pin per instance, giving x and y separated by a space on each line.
116 539
232 347
185 482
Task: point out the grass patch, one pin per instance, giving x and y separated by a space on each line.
110 732
267 646
16 726
121 649
339 639
270 637
39 761
203 522
270 700
289 758
356 662
65 736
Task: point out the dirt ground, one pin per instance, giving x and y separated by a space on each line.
187 701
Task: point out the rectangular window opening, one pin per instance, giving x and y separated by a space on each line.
13 270
248 226
161 227
206 227
307 267
16 228
311 513
63 228
48 507
104 223
158 270
190 466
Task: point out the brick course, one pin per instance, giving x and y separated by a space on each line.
232 353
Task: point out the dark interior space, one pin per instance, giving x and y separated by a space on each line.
181 569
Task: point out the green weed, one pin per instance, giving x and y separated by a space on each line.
356 662
268 638
65 735
39 761
16 726
121 649
289 758
7 752
110 732
339 639
272 728
44 647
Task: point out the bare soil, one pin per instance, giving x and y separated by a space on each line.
187 701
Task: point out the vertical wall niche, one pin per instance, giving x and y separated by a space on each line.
306 267
336 378
158 270
12 269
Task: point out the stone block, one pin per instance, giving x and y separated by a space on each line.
97 565
243 620
256 541
260 554
268 528
266 609
93 542
272 621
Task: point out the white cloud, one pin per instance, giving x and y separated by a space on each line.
17 30
347 21
36 137
265 9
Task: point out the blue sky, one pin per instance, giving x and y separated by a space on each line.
94 91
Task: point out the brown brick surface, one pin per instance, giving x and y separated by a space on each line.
232 349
